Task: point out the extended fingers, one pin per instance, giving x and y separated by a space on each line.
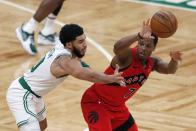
176 55
148 22
122 83
116 69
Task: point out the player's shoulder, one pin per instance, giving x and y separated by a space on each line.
124 59
155 59
59 48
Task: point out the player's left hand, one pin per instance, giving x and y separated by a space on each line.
176 55
121 82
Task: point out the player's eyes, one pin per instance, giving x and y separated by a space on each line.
81 41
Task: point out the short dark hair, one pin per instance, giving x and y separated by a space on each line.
155 40
69 32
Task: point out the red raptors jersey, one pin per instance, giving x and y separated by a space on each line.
135 75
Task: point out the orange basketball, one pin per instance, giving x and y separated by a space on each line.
164 24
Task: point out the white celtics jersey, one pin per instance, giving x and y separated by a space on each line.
40 78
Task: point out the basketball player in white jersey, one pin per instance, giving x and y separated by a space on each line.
24 95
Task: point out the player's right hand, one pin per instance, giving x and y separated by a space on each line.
146 31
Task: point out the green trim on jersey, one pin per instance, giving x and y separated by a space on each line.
26 105
42 111
26 86
35 66
22 123
84 64
185 4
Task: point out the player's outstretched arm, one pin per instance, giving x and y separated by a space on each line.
73 67
124 43
171 67
121 47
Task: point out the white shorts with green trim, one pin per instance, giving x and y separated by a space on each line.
24 106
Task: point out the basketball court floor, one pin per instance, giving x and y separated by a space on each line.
164 103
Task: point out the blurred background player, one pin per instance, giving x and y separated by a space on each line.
48 9
103 105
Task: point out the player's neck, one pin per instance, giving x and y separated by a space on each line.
143 62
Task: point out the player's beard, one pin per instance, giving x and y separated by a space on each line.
77 52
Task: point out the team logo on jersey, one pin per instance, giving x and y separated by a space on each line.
132 90
93 117
140 79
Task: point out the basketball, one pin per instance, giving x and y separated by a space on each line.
164 24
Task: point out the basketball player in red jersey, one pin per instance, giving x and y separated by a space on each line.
103 105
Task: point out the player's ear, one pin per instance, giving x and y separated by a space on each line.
69 45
